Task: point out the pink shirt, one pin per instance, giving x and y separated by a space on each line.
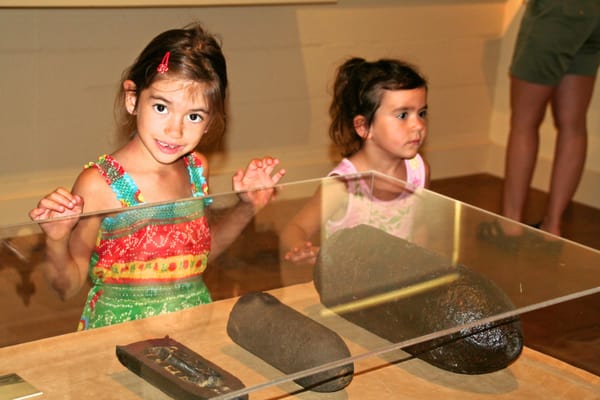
394 216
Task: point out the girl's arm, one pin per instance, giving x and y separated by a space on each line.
295 239
69 241
67 259
261 175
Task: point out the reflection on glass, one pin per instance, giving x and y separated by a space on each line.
401 247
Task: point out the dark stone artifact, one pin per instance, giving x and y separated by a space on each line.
422 293
289 341
177 370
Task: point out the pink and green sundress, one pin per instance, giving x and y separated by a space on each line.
148 260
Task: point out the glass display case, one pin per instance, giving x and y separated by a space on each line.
396 273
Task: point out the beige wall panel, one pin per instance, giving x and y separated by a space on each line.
252 27
273 124
17 102
266 75
466 62
423 20
319 124
453 116
61 68
459 160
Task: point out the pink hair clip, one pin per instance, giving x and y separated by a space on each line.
164 64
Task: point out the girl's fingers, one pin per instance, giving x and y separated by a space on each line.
37 213
269 164
59 202
278 175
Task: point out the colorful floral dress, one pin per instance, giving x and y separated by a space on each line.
148 260
395 216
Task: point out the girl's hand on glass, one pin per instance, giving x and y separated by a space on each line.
59 203
257 181
306 254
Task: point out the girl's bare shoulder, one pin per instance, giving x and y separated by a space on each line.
95 191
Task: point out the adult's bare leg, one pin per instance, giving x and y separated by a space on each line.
570 103
528 102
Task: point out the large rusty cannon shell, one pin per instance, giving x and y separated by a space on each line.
358 264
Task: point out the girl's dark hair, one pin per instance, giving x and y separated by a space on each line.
196 55
358 90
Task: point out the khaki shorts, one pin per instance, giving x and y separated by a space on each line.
557 37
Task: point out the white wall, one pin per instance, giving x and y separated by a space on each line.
60 68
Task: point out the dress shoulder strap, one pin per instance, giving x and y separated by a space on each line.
196 172
119 181
415 171
343 168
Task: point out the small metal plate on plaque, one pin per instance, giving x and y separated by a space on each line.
176 370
